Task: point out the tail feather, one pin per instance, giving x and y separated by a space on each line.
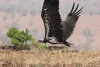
67 44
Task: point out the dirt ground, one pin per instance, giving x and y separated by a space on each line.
49 58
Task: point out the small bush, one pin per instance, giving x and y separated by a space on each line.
19 38
40 45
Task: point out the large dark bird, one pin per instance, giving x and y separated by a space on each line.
54 27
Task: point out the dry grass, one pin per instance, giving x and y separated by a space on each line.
49 58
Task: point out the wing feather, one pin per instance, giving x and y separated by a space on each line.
71 20
50 10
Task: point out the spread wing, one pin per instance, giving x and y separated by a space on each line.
50 15
71 20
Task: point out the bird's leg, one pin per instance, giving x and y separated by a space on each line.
45 40
45 37
50 33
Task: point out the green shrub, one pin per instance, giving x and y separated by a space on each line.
40 45
19 38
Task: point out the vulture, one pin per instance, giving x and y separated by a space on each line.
54 26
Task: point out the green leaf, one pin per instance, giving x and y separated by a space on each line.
19 38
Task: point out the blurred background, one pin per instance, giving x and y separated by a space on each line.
24 14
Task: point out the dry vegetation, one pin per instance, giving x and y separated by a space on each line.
49 58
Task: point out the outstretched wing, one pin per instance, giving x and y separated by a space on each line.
50 15
71 20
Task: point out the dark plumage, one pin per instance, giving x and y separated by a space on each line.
54 27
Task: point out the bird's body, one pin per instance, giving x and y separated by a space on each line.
54 27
